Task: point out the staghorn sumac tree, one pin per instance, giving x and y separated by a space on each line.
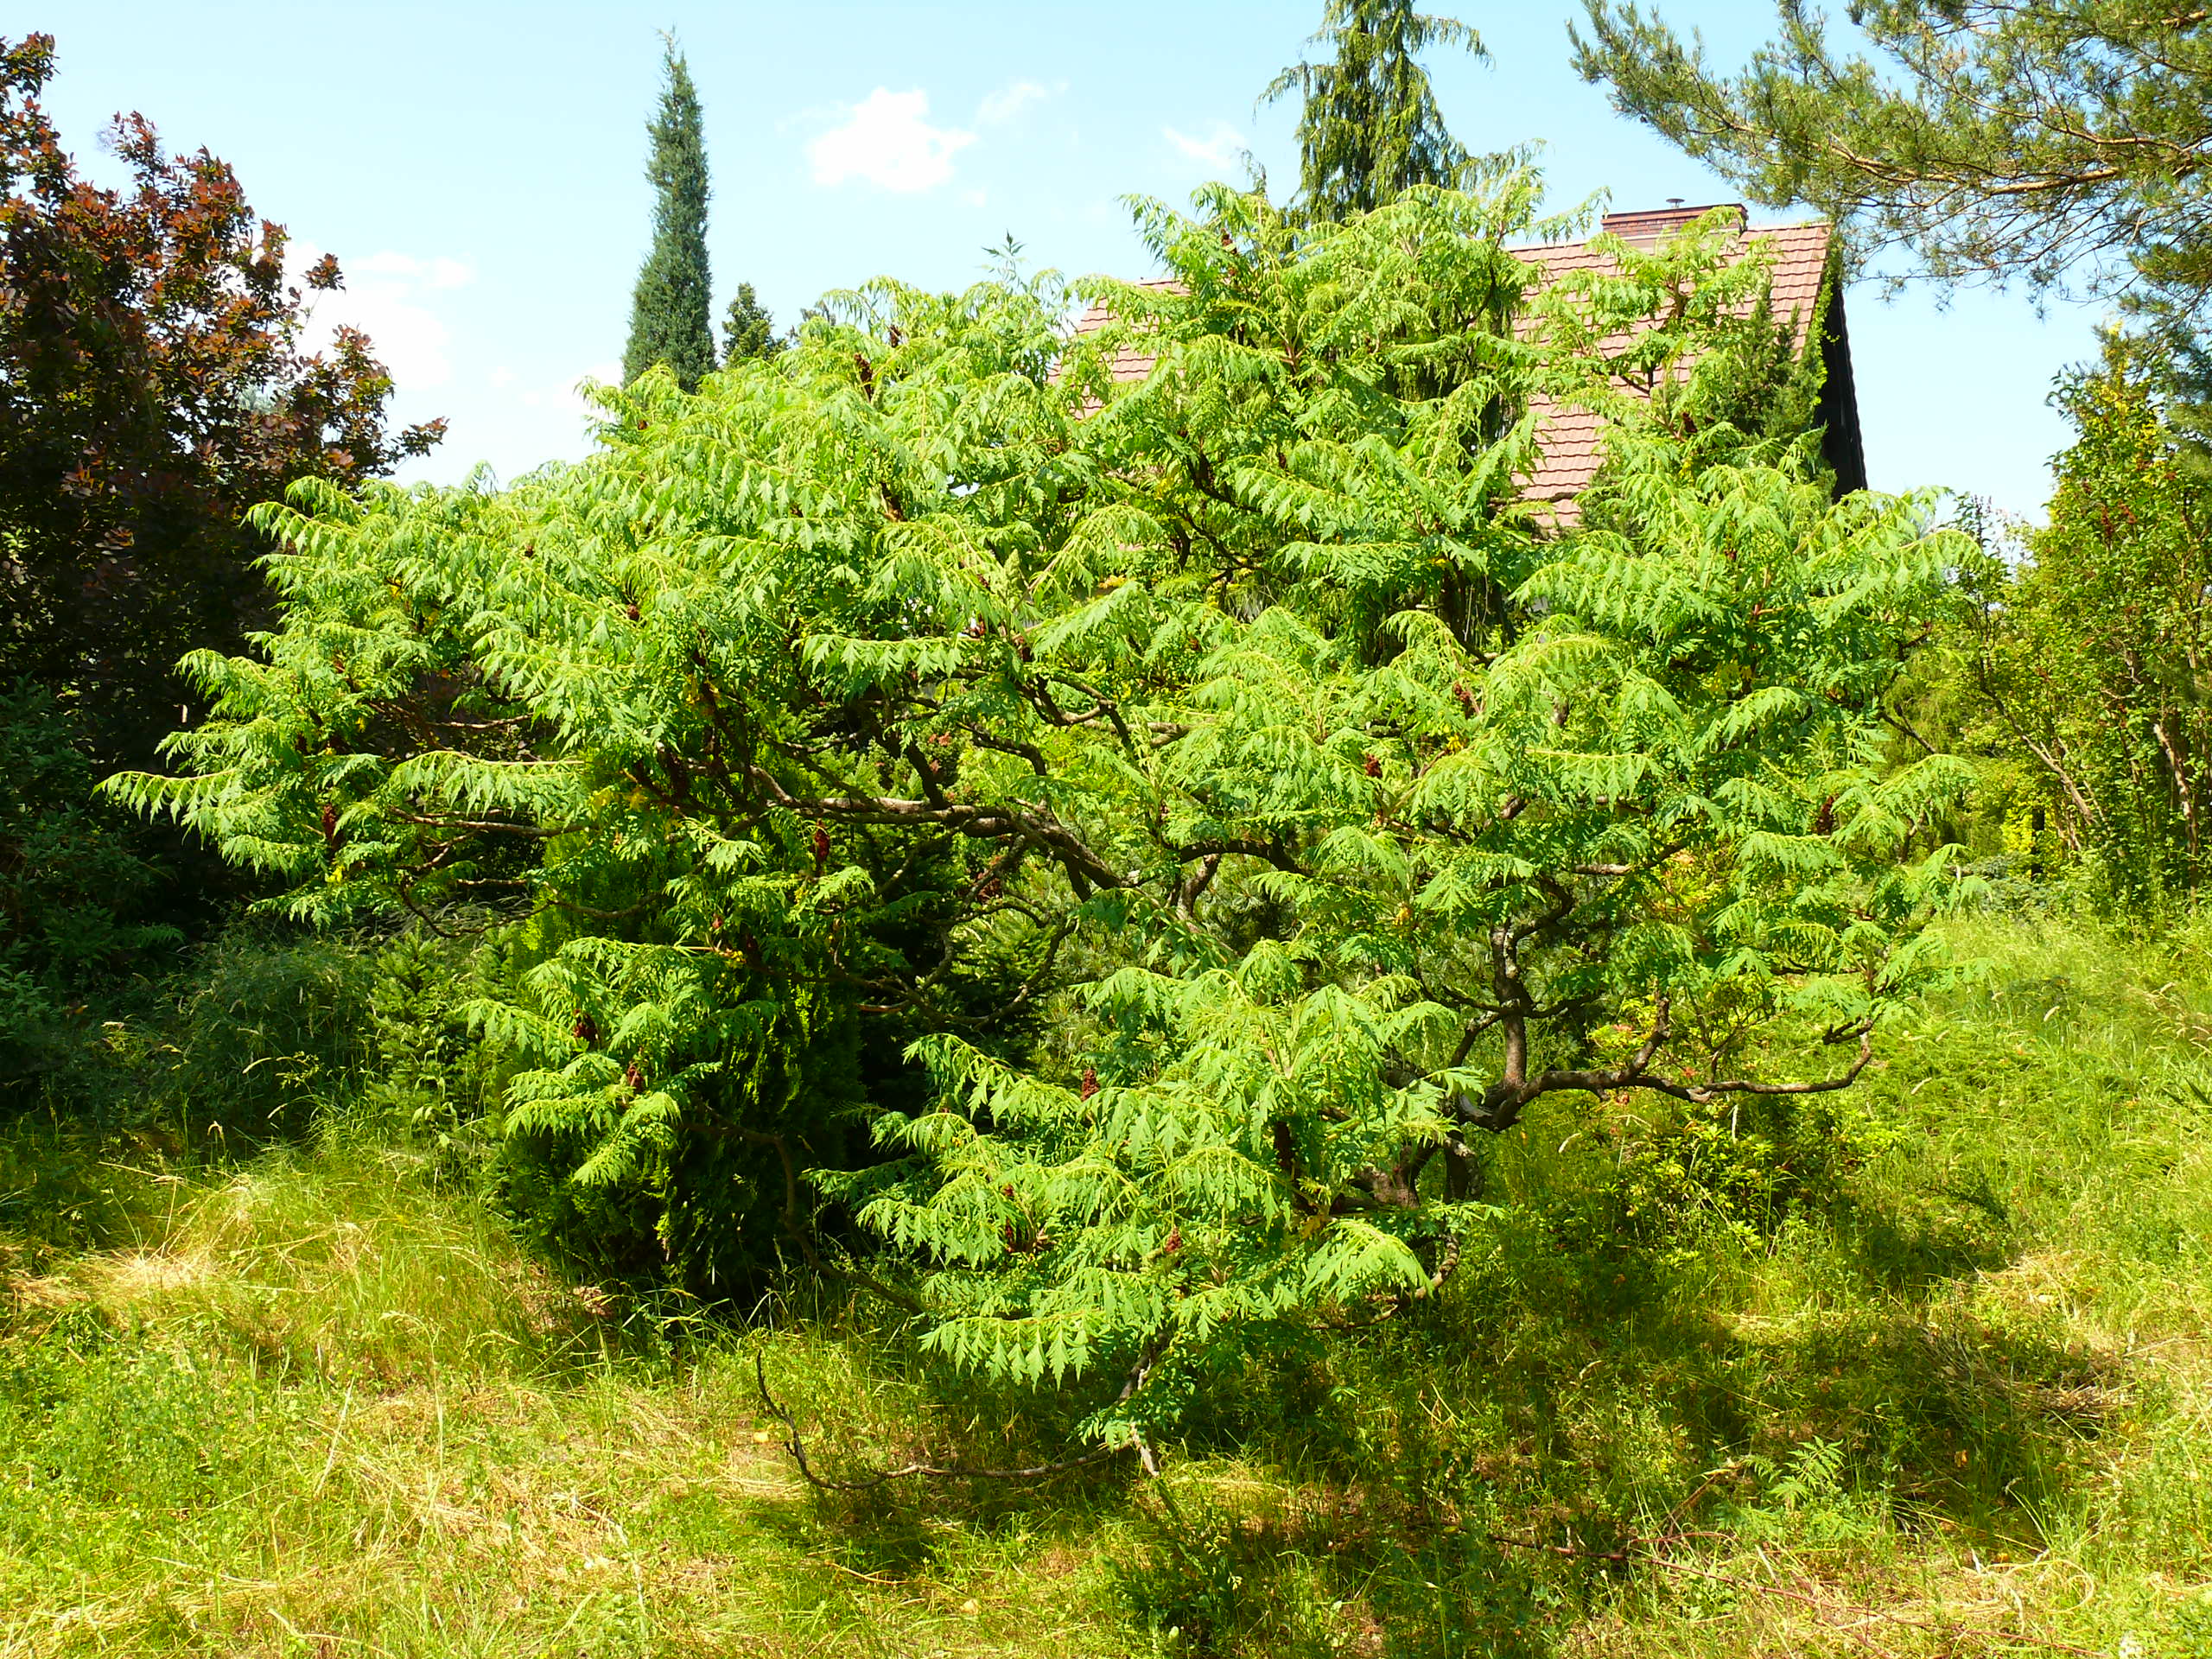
1335 807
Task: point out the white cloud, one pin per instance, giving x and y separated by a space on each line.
386 296
569 394
1222 147
1007 102
436 272
887 140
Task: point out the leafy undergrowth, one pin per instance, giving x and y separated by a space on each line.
1929 1373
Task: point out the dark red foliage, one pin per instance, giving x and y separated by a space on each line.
1089 1083
153 386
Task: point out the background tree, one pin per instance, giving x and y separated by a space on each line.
152 388
747 329
2093 658
670 309
1368 123
73 884
2067 143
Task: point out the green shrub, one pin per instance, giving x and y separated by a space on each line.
73 881
1246 718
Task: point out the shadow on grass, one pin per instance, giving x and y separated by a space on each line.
1488 1474
1495 1477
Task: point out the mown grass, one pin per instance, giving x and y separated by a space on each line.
1934 1377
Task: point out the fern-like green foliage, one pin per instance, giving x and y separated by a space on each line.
1245 721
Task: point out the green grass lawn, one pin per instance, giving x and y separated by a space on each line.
1934 1377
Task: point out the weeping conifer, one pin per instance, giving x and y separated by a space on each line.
1369 126
670 307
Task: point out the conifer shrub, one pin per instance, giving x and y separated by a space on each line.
1121 846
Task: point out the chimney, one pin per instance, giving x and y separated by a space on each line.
1647 229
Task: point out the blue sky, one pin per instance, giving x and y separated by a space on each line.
477 169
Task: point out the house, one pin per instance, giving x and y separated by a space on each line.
1803 268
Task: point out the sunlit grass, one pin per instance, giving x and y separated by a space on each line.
328 1409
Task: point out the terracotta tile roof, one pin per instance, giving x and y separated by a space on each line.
1569 437
1129 364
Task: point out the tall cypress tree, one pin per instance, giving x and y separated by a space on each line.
1370 126
670 307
